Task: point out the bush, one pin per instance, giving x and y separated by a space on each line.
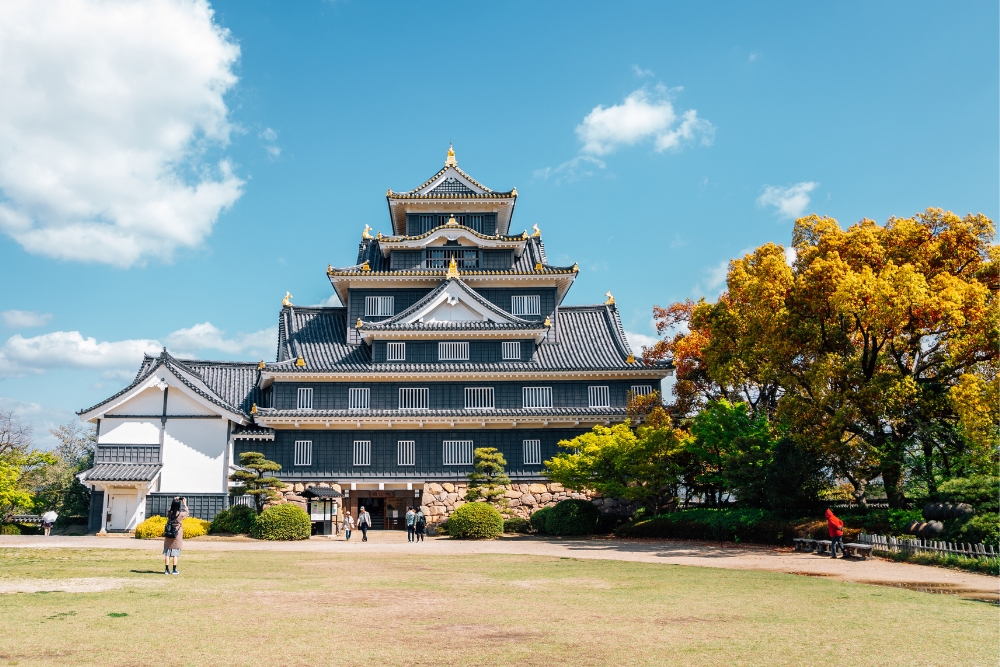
573 517
981 565
978 529
237 520
540 519
10 529
151 528
980 491
475 521
726 525
195 527
516 524
282 522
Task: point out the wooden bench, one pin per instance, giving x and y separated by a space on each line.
858 550
804 544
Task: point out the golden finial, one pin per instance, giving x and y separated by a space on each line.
365 234
524 234
611 299
452 222
576 268
253 408
538 232
538 266
547 322
329 269
359 324
514 191
365 267
287 301
380 236
450 161
452 268
261 364
631 358
300 362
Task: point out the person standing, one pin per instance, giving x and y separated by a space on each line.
49 520
411 519
364 523
420 523
348 525
173 533
836 529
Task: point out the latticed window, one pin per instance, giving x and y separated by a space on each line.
641 389
484 223
511 350
452 185
537 397
441 259
457 452
359 398
395 351
362 452
527 304
479 398
599 397
305 401
406 453
532 452
303 452
414 398
453 351
378 306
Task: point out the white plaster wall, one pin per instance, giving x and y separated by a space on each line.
129 432
146 402
193 456
179 403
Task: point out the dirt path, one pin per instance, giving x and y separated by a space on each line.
730 556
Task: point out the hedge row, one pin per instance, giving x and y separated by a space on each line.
152 528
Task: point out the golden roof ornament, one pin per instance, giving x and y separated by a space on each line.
514 191
538 232
359 324
365 234
547 322
365 266
452 222
538 266
450 161
524 234
329 269
452 268
611 299
253 409
576 268
631 358
287 301
300 362
261 364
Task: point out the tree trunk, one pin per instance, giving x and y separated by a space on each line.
892 477
929 466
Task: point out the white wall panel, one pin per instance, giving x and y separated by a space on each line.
130 432
146 402
179 403
193 456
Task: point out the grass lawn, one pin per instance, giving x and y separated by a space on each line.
292 609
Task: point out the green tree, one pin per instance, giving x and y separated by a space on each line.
59 489
21 466
253 479
488 479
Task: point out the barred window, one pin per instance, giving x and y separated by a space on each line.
305 401
526 304
537 397
642 389
362 452
395 351
453 351
303 452
599 397
512 350
359 399
378 306
478 398
414 398
532 452
406 452
457 452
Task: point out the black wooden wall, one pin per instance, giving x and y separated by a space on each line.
426 351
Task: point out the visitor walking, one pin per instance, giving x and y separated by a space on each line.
49 520
348 525
173 533
836 529
364 523
420 525
411 520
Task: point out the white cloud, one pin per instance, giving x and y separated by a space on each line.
753 56
108 112
642 73
791 254
637 341
333 301
642 116
22 319
68 349
791 202
206 336
579 167
270 136
713 280
40 417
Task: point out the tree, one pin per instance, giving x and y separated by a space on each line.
20 466
252 480
488 480
59 489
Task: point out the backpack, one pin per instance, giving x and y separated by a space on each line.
421 522
170 530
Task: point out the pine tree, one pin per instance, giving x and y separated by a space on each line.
488 479
252 481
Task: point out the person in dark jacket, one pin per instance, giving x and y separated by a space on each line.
836 529
172 545
364 523
420 526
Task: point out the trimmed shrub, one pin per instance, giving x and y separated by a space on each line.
237 520
10 529
282 522
516 524
540 519
195 527
981 528
980 491
151 528
475 521
725 525
573 517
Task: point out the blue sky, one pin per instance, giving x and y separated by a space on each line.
167 174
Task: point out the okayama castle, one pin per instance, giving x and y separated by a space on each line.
453 335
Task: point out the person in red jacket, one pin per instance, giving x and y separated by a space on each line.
836 529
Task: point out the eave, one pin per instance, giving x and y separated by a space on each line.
452 233
440 423
374 374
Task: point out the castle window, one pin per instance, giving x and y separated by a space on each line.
457 452
303 452
414 398
359 398
537 397
641 389
479 398
599 397
453 351
378 306
512 350
532 452
530 304
406 452
362 452
305 401
441 259
395 351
